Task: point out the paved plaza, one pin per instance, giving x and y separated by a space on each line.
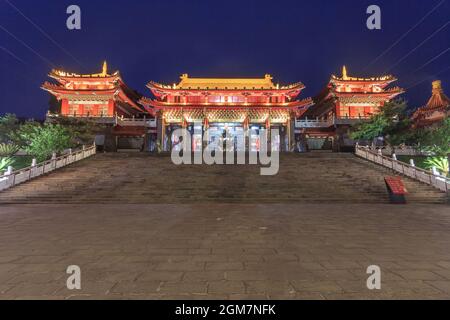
224 251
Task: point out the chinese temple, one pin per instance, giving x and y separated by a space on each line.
93 95
225 108
105 99
436 109
232 107
345 101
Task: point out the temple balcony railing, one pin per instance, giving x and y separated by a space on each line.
136 122
313 123
350 120
326 123
103 119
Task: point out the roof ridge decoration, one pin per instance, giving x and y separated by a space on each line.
188 83
103 74
225 83
346 77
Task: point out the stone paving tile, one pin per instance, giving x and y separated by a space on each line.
184 287
161 276
418 275
88 287
224 266
35 278
443 286
443 273
226 287
136 287
269 287
225 251
204 276
317 286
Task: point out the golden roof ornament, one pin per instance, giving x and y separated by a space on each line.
344 73
105 69
437 86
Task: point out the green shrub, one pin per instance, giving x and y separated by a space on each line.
441 163
5 162
40 141
8 149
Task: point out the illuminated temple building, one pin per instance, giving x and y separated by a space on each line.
227 107
345 101
239 107
93 95
436 109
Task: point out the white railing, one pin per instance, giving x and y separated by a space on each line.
429 177
321 123
134 122
306 123
97 118
402 151
12 178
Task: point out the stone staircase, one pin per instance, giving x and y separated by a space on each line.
143 178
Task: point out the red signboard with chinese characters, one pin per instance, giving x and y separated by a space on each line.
396 185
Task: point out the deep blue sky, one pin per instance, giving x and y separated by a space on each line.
294 41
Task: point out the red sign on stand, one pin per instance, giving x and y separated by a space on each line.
396 186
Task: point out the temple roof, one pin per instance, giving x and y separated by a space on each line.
112 87
346 77
438 101
438 98
187 83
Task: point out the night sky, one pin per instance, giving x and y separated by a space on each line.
294 41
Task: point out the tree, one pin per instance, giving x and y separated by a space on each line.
9 124
42 140
437 140
82 131
391 122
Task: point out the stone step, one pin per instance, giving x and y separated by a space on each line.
143 178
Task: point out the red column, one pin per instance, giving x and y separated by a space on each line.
338 110
111 108
64 107
95 110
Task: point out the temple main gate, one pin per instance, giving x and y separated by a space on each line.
236 109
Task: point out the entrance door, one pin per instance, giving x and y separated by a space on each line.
227 136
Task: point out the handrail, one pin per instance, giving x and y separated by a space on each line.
429 177
12 178
324 123
136 121
307 123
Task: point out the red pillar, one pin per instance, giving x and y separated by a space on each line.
64 107
111 108
95 110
